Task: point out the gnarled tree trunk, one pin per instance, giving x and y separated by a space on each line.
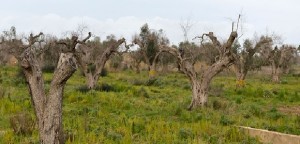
276 74
199 94
240 78
152 71
48 109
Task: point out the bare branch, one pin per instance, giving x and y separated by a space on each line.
238 21
84 40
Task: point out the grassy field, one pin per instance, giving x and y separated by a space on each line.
127 109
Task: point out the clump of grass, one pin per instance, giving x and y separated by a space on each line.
217 104
256 110
83 88
105 87
142 92
178 110
225 121
151 82
104 72
238 100
297 121
19 78
1 78
22 123
284 81
137 82
114 136
185 133
294 97
274 114
137 127
216 90
2 92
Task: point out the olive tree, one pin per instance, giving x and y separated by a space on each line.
47 105
200 81
244 58
137 58
95 54
148 42
278 58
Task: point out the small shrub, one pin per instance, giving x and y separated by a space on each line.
239 91
268 127
48 68
19 78
105 87
178 110
69 136
104 72
150 82
137 127
114 136
284 82
83 89
234 135
259 92
295 97
186 86
217 105
216 90
226 121
273 114
212 139
185 133
246 116
1 78
142 92
238 101
159 83
268 94
296 75
2 92
137 82
22 124
297 121
198 117
256 111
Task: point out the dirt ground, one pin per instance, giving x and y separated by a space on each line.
290 110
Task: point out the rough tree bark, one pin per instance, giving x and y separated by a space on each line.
48 107
92 76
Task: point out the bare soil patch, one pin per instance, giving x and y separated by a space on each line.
290 110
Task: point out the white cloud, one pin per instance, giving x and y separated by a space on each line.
125 26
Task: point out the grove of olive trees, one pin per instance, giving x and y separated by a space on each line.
64 56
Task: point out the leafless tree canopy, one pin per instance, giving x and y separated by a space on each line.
94 55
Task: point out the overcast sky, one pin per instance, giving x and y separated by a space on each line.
124 17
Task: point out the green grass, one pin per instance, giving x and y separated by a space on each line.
126 109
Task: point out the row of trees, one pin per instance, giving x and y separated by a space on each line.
90 55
